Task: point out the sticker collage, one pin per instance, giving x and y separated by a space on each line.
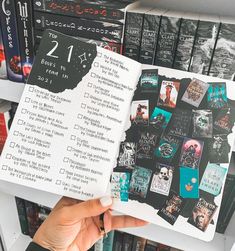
173 155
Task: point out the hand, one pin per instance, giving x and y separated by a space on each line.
74 226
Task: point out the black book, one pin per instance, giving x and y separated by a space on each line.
11 40
133 32
25 31
151 246
117 242
22 215
204 45
127 242
150 36
223 62
78 27
138 244
168 38
187 35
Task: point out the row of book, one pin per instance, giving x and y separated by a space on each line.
185 41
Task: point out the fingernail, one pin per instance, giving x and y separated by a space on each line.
106 201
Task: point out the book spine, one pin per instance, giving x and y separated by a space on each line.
100 12
108 242
185 44
25 32
222 65
22 215
77 27
3 131
138 244
118 240
167 42
10 40
3 68
149 38
132 35
127 242
203 47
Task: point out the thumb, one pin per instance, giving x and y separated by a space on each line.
90 208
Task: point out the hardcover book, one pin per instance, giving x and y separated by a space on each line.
81 95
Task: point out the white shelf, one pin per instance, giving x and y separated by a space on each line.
10 90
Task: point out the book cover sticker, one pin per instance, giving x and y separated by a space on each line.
217 96
171 208
189 183
202 124
162 179
168 94
195 92
160 118
140 181
212 179
149 81
202 214
140 112
127 154
191 153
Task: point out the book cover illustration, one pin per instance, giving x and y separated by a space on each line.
203 47
140 112
127 154
189 183
223 62
120 183
195 92
140 181
168 94
185 44
219 149
171 208
162 179
149 81
160 119
179 124
224 121
202 124
202 214
217 96
167 148
191 153
212 179
146 145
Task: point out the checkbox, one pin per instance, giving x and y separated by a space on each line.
12 144
80 116
4 167
31 89
73 137
62 171
58 182
69 148
15 133
86 95
23 111
8 156
83 106
89 85
66 160
99 54
93 75
96 64
76 127
27 100
20 122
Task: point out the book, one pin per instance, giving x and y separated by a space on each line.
133 32
151 25
108 242
99 245
204 45
127 242
24 16
168 38
187 34
81 95
3 68
79 27
11 41
22 215
138 244
4 118
112 11
222 64
118 240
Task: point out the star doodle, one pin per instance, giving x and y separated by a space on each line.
83 57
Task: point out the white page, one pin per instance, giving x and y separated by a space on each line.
66 140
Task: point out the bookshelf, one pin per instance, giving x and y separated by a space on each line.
10 231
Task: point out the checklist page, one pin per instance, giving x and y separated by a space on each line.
66 133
